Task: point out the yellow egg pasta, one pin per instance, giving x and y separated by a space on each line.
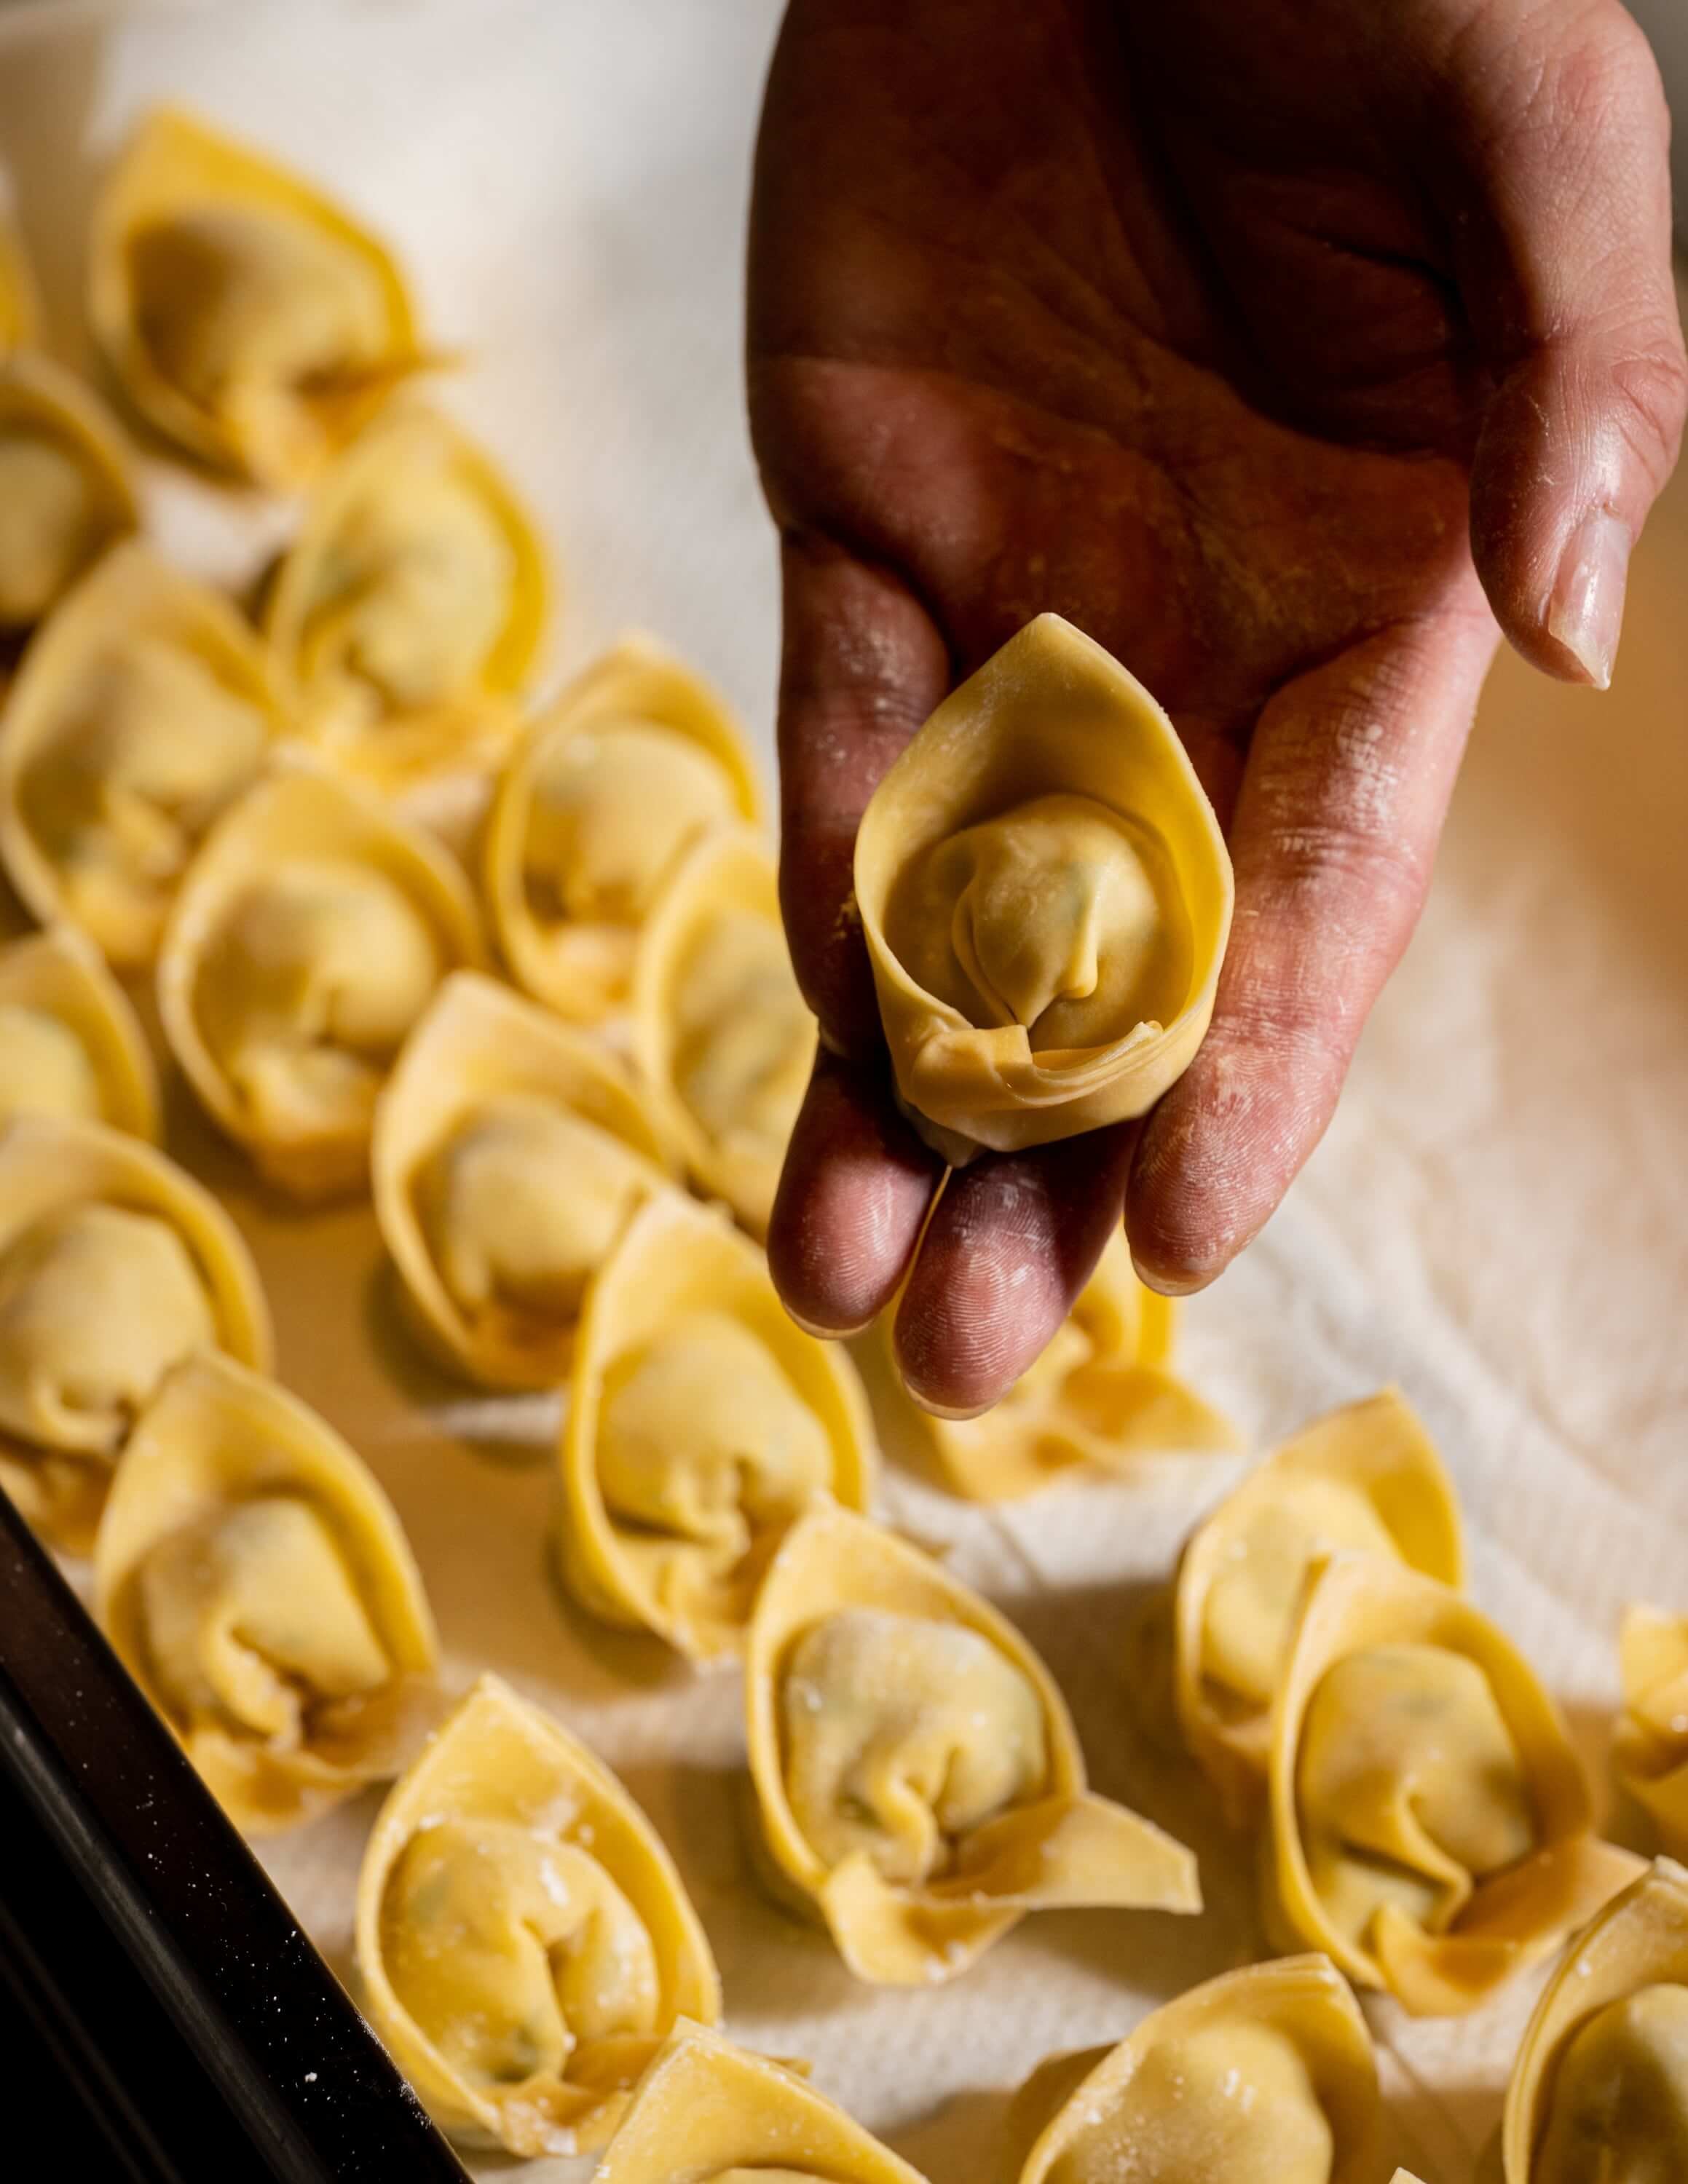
1366 1478
1263 2073
917 1774
254 1580
1649 1749
611 787
115 1266
702 1422
248 319
69 1042
1599 2094
66 494
1046 897
408 610
310 936
509 1154
1100 1400
142 711
1431 1825
20 298
707 2113
524 1943
723 1036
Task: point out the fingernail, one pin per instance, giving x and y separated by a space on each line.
1166 1285
1585 607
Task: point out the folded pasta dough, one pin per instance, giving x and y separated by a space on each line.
142 711
1263 2073
918 1775
1599 2094
510 1153
635 760
65 490
256 1583
1101 1399
1046 896
308 938
246 316
724 1037
524 1942
1431 1824
408 610
69 1042
1365 1478
701 1421
707 2113
114 1265
1650 1748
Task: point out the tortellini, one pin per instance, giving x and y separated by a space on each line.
1101 1397
1651 1746
1046 896
311 935
595 811
1430 1822
509 1155
254 1579
707 2113
1263 2073
142 710
702 1422
524 1942
247 318
406 613
723 1036
114 1267
1600 2092
918 1775
1365 1478
69 1043
65 491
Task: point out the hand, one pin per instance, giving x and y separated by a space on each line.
1262 339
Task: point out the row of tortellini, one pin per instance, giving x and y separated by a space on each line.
1426 1818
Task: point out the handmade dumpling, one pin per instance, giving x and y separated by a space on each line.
247 318
1649 1749
723 1036
311 935
254 1579
1431 1823
1365 1478
707 2113
406 613
1263 2073
633 762
69 1043
524 1941
65 490
918 1775
509 1155
702 1422
1599 2094
141 710
1046 897
114 1265
1100 1398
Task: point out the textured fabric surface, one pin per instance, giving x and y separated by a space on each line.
1498 1218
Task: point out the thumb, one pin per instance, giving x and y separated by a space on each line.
1562 138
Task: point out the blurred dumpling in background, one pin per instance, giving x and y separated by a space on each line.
69 1042
20 299
311 935
406 613
723 1036
141 711
246 317
66 494
597 809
